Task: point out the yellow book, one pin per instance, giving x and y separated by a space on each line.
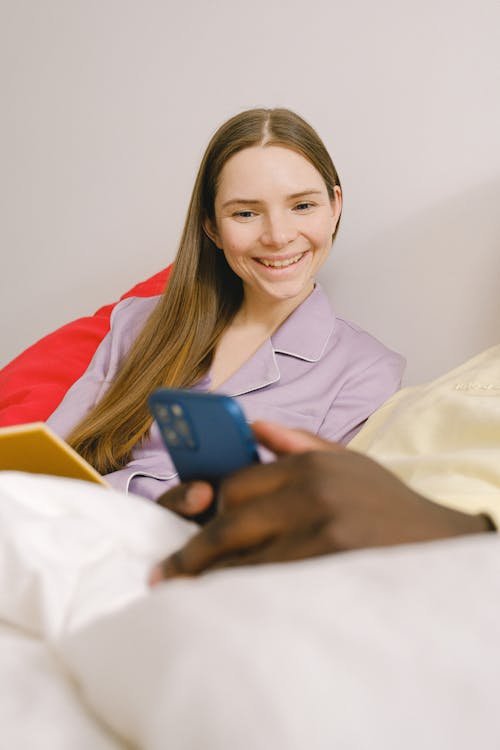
35 448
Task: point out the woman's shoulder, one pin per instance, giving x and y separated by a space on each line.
361 346
317 327
130 314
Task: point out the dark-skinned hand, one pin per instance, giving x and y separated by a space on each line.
316 498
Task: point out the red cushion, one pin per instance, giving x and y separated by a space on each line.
35 382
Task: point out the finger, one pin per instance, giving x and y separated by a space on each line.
284 440
314 541
188 499
237 530
254 481
293 474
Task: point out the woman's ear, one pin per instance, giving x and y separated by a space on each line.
211 231
336 204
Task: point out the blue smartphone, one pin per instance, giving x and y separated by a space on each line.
206 434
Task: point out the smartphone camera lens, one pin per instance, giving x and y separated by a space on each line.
163 413
171 437
182 427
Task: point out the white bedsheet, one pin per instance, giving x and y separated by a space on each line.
395 648
39 706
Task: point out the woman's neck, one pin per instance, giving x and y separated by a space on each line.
253 324
258 312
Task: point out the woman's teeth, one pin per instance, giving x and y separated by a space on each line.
281 263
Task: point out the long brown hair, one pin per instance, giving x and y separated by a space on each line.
177 344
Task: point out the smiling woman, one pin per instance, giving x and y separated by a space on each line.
274 221
242 313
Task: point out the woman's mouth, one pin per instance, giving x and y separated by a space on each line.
280 263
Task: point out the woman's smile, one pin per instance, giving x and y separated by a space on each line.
281 262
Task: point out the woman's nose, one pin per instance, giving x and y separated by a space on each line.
279 230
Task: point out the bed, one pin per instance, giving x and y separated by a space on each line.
381 648
384 648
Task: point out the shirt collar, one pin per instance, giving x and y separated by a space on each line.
304 334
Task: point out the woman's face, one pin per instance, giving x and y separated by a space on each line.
274 221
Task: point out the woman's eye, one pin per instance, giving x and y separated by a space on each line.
244 214
304 206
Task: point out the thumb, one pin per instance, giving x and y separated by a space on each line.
284 440
188 499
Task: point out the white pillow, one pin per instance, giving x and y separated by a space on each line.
389 648
393 648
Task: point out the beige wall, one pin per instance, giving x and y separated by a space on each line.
107 106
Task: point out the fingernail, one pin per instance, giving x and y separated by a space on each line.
155 576
195 494
163 571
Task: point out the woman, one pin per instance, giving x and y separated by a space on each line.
242 313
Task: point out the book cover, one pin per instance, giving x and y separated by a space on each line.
37 449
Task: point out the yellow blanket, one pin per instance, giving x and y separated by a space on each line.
443 438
